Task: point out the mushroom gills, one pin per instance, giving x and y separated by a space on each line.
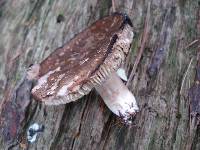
118 98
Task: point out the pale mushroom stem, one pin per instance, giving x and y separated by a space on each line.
118 98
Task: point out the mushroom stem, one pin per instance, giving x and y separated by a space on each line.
118 98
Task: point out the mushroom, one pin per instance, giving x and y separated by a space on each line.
89 60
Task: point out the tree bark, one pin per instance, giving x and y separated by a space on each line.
163 83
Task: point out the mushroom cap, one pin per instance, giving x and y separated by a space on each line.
72 70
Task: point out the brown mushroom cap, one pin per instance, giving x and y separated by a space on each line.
85 61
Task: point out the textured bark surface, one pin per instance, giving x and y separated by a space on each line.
31 30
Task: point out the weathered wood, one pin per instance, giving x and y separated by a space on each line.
31 30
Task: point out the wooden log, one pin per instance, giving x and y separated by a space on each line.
31 30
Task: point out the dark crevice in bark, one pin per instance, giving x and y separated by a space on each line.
61 128
178 114
60 131
72 146
106 131
197 139
29 114
14 108
92 15
82 121
2 5
37 6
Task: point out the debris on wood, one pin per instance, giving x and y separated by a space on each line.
191 44
33 131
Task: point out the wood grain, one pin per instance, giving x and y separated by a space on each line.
30 32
